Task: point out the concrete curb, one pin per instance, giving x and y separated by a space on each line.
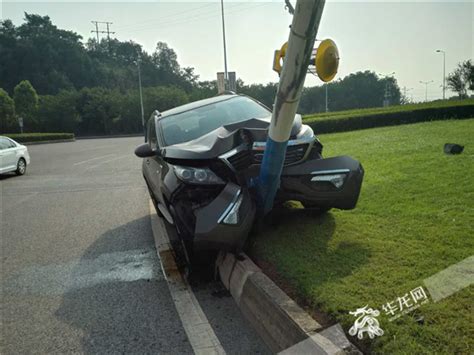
49 142
283 325
200 334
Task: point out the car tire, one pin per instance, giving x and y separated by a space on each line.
21 167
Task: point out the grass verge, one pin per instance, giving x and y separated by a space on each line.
414 219
39 137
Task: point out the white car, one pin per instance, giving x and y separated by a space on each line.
13 156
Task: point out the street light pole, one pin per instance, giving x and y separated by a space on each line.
226 78
444 72
141 94
304 28
426 83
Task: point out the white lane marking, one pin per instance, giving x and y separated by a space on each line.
54 279
88 160
314 344
107 161
451 280
200 334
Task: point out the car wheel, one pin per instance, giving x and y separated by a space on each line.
21 167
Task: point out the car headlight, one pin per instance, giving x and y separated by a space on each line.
202 176
233 216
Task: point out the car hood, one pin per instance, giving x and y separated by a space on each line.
225 138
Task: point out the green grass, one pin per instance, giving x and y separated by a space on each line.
415 217
382 110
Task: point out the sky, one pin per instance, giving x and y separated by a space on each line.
383 37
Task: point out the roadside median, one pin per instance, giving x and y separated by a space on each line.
41 138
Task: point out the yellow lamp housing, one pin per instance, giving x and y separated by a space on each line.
327 60
278 58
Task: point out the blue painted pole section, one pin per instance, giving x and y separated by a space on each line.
269 180
307 16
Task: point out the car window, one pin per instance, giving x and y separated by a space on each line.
6 143
151 134
192 124
12 143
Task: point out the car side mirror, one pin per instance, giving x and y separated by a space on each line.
144 151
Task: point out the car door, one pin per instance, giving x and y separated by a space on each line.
7 155
153 165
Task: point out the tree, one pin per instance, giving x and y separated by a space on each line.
50 58
26 103
462 79
99 110
58 113
263 93
357 90
7 110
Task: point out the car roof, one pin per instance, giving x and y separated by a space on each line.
196 104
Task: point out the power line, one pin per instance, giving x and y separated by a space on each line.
426 83
96 31
168 17
203 16
180 21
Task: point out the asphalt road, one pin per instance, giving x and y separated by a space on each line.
79 271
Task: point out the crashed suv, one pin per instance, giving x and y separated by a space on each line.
201 162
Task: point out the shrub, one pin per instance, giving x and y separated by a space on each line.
39 137
351 121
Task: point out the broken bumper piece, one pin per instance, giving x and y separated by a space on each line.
326 183
224 223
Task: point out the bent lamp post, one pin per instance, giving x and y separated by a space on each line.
297 54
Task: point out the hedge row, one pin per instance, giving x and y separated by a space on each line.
40 137
391 118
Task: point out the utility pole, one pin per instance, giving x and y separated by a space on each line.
405 91
444 72
426 83
306 19
141 94
96 23
108 31
96 30
388 93
226 77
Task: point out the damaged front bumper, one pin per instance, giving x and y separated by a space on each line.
326 183
225 223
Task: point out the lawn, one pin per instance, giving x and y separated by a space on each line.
415 217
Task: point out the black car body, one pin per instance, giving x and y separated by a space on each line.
201 162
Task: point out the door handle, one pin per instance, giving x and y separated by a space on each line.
147 161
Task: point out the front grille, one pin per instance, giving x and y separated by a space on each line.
241 160
294 153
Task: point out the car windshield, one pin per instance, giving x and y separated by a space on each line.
192 124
